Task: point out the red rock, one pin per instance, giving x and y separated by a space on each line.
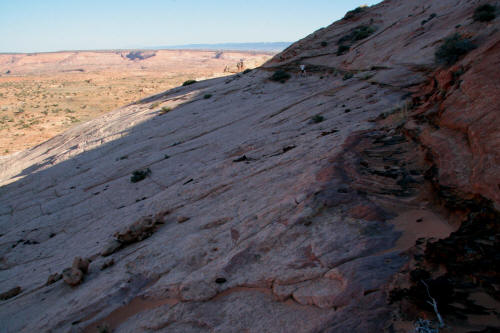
72 276
53 278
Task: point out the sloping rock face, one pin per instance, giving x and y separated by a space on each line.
264 206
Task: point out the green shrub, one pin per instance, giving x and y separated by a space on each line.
347 76
323 43
154 105
207 96
452 49
343 49
317 118
164 110
350 14
484 13
358 33
362 32
433 15
344 39
280 76
104 328
188 82
139 175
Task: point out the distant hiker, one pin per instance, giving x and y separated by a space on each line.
240 65
303 70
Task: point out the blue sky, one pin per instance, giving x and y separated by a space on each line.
52 25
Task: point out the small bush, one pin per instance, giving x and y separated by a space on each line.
347 76
164 110
344 39
154 105
350 14
323 43
139 175
343 49
484 13
280 76
188 82
317 119
452 49
362 32
246 71
104 328
433 15
358 33
207 96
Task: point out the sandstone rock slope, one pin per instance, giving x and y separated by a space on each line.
318 202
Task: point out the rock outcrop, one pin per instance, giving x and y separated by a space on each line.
320 204
73 275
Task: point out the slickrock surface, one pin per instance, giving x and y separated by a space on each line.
257 216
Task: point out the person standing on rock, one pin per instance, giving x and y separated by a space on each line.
303 70
240 65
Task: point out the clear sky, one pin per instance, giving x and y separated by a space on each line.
52 25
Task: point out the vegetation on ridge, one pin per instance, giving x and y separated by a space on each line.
280 76
352 13
485 13
357 34
139 175
453 48
188 82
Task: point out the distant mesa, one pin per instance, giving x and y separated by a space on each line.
139 55
262 47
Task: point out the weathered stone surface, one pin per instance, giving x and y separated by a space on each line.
285 239
72 276
137 231
108 263
53 278
182 219
81 264
111 247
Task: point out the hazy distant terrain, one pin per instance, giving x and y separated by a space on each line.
269 47
43 94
